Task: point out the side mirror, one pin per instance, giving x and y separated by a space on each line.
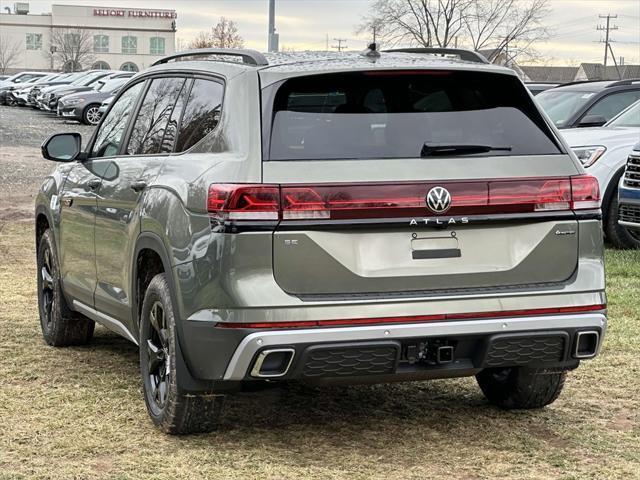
62 147
592 121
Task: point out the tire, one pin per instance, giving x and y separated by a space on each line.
521 388
90 115
172 410
61 326
619 236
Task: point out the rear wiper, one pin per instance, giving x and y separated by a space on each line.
442 149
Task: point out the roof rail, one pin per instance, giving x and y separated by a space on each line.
249 57
578 82
627 81
464 54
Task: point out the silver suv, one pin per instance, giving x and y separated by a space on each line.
249 218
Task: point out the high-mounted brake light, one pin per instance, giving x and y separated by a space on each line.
229 202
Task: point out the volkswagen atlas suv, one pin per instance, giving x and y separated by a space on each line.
248 219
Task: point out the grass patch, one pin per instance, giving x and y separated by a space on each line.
78 412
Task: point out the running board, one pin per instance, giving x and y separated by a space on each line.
106 321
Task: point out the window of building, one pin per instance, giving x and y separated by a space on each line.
201 114
156 46
71 40
101 44
112 129
100 65
34 41
149 128
129 67
129 44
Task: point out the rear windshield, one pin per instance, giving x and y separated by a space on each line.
401 114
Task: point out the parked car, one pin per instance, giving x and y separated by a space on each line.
538 87
85 82
62 79
588 104
629 195
104 106
323 218
17 80
85 106
603 152
3 77
17 95
21 77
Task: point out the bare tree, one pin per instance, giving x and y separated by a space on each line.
418 22
223 35
9 53
201 40
482 24
507 27
72 48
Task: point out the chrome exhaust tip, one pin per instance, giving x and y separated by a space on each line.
273 363
586 344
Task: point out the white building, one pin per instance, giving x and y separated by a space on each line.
119 38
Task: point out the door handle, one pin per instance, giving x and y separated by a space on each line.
94 183
138 185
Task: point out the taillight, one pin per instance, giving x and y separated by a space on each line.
585 192
258 202
244 202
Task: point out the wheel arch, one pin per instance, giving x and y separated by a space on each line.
612 186
151 242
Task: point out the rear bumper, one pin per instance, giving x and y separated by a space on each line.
381 352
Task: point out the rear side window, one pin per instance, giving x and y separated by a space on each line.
153 117
396 114
201 113
613 104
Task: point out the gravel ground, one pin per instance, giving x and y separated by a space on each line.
22 168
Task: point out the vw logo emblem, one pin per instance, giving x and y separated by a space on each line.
438 199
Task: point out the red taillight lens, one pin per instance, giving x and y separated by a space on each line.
521 196
585 192
401 200
244 202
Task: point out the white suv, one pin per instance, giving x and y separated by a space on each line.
603 151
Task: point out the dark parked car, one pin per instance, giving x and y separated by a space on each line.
588 104
85 106
62 79
84 83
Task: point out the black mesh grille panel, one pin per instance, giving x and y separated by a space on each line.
350 361
511 351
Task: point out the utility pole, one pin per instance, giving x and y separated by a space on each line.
340 41
607 40
327 42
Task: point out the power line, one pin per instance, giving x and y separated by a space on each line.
340 42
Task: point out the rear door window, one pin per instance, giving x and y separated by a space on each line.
395 114
153 117
201 113
613 104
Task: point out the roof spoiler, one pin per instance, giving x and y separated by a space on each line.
464 54
249 57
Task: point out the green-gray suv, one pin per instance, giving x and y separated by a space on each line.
247 218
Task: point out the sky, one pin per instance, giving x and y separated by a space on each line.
314 24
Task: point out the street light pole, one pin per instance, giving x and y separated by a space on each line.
273 36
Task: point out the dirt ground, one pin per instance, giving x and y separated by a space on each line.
78 412
22 168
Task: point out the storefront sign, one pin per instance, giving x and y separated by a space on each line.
115 12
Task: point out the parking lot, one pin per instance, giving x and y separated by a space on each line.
79 413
